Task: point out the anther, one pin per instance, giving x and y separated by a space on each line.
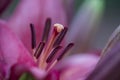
52 54
39 50
68 47
46 30
33 37
60 37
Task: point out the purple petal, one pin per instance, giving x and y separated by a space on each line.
113 40
108 67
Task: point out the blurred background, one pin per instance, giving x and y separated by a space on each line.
109 21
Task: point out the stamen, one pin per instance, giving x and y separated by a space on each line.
46 55
59 57
33 37
57 29
69 46
52 54
60 37
39 50
46 30
51 65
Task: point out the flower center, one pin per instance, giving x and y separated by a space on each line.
49 52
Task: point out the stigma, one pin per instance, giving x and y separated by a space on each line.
49 50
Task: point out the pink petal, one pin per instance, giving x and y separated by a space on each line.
53 75
37 73
36 12
2 70
76 67
19 69
12 50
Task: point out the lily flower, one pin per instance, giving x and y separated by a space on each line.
17 56
20 60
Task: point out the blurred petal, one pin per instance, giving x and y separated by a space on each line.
37 73
113 40
12 50
76 67
84 24
53 75
2 70
108 67
36 12
19 69
27 11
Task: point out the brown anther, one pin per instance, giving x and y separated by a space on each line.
46 30
52 54
60 37
33 37
39 50
67 48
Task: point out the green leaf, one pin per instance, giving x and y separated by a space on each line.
26 76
